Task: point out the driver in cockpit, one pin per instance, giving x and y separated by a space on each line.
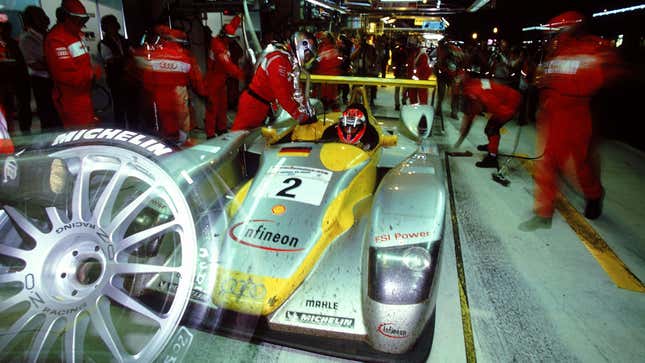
353 125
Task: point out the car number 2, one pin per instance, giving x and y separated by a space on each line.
298 184
293 184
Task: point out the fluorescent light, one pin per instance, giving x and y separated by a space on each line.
385 19
432 36
357 4
476 5
396 1
328 7
537 27
622 10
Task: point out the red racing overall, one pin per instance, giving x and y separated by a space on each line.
421 71
329 62
573 73
71 70
497 99
220 66
166 72
271 82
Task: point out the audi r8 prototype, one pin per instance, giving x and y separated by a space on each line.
112 243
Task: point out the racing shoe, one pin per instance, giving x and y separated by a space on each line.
535 223
593 208
489 161
483 147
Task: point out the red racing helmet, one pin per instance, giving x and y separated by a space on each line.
352 125
74 8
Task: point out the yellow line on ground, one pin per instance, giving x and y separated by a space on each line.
595 244
469 340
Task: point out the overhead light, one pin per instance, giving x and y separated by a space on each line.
622 10
474 36
326 6
395 1
495 30
357 4
385 19
476 5
537 27
432 36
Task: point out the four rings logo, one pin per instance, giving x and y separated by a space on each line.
10 169
167 65
239 288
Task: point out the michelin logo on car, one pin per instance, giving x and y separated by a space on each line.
143 141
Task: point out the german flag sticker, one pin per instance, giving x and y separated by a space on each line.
294 151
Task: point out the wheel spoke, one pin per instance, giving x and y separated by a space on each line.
44 339
15 328
24 224
12 301
123 219
14 252
10 277
126 300
80 196
140 268
146 234
108 195
74 338
107 333
53 215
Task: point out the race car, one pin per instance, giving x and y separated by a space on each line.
112 242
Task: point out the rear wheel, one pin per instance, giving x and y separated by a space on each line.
72 278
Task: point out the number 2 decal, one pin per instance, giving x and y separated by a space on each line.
283 192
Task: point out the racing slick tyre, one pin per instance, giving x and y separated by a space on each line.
74 277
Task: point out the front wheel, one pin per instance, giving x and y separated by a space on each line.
72 277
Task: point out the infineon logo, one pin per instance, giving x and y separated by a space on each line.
262 234
143 141
388 330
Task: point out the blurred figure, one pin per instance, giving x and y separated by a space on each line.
276 82
501 64
448 69
399 68
501 101
345 46
382 55
32 39
70 66
167 69
220 67
420 70
16 92
329 62
527 88
575 69
115 50
365 58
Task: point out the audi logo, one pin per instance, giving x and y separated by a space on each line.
242 288
167 65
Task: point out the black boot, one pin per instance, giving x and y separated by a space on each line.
489 161
483 147
593 208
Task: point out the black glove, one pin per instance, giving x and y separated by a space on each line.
40 180
309 120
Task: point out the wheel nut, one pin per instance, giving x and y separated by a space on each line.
75 253
63 275
74 293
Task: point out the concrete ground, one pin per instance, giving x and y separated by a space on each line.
550 295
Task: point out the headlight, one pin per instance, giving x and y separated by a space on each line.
402 274
416 258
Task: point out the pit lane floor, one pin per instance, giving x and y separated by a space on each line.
536 296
